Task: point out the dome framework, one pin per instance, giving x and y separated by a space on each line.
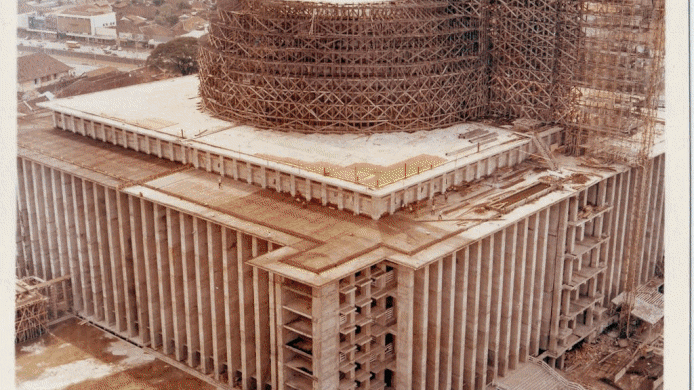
336 68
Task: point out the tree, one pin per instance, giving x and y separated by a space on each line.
171 19
180 54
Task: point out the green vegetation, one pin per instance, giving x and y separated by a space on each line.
178 55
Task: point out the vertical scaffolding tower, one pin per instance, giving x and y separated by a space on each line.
620 84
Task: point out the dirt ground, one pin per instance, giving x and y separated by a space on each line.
78 356
583 366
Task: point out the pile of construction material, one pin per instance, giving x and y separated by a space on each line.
31 317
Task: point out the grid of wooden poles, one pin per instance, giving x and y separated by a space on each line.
38 303
619 78
31 315
317 67
595 66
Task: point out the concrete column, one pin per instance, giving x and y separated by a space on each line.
434 324
448 322
326 326
460 314
231 302
202 290
216 296
173 230
404 339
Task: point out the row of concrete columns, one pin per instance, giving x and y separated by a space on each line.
180 284
155 275
486 307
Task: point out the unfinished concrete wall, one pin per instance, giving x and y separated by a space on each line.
155 275
180 284
536 287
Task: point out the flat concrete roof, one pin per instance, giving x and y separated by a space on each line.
171 108
86 157
319 243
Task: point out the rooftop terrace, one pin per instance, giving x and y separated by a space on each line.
374 166
318 243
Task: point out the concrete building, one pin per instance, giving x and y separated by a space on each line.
211 244
39 70
85 19
340 201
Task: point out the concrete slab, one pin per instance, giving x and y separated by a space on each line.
170 108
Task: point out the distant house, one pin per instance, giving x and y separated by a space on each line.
185 26
38 70
156 34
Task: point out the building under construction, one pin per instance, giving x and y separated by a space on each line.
399 195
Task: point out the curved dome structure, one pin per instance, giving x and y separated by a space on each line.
334 67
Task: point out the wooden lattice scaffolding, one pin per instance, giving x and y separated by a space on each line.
39 303
31 315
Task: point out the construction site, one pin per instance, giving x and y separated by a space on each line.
412 194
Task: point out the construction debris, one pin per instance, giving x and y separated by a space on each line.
30 308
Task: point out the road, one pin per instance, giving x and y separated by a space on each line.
82 65
139 54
